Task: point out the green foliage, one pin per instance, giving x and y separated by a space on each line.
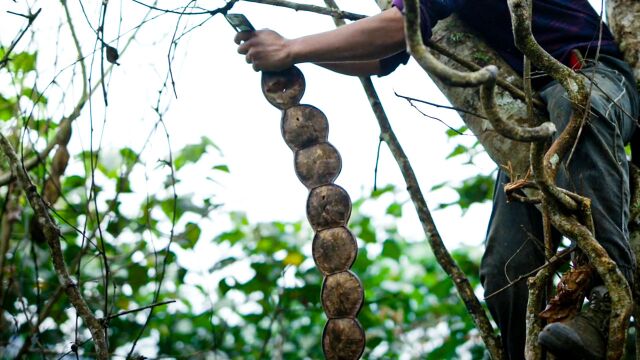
477 189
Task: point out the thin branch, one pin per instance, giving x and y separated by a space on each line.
513 90
551 262
333 12
505 128
113 316
31 18
53 299
228 6
52 233
435 118
441 106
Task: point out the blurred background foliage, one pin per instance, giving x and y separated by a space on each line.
250 291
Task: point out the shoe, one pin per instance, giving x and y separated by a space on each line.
585 335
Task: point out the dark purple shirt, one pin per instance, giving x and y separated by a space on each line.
558 25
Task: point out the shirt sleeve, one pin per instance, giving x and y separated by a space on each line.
430 12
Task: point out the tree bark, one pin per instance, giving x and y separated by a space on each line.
454 35
624 21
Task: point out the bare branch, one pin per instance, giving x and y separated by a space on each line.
31 18
333 12
408 98
513 90
52 233
113 316
507 129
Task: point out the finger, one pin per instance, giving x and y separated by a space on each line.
242 36
256 67
248 58
244 47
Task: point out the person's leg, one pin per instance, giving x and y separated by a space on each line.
597 165
597 168
514 247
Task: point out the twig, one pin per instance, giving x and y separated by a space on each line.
223 9
53 299
161 274
113 316
333 12
375 169
52 233
435 118
31 18
513 90
555 259
441 106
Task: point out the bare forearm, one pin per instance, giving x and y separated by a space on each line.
368 39
372 38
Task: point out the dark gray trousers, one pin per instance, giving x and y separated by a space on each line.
596 169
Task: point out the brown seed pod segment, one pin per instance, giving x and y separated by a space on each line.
334 250
342 295
304 125
343 339
283 89
328 206
317 165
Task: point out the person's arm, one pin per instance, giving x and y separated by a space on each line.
371 38
354 68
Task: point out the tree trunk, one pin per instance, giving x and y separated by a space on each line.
454 35
624 22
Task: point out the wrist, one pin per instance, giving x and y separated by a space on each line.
293 51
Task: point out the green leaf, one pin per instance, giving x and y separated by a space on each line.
74 181
455 132
223 168
391 249
129 157
364 230
380 191
6 108
439 186
137 276
232 236
192 153
395 210
191 234
459 150
475 190
34 95
23 62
